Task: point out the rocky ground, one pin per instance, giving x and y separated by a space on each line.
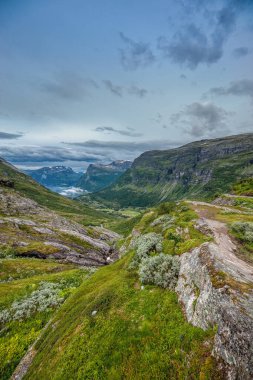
215 288
30 230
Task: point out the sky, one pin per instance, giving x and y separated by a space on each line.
95 81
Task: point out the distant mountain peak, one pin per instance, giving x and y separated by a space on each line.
98 175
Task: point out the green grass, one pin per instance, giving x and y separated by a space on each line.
244 187
180 236
136 334
24 276
14 269
125 226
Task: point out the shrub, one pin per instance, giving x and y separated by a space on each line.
144 245
161 270
244 231
147 243
45 297
165 220
6 251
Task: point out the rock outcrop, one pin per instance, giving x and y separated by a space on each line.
215 295
31 230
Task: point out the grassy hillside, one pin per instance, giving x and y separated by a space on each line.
113 327
198 170
116 324
135 334
27 187
30 292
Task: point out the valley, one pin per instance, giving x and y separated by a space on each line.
126 190
166 291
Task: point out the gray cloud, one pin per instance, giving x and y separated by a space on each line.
128 132
242 87
137 91
192 46
10 136
240 52
22 154
121 90
79 154
124 149
69 86
135 54
200 119
115 89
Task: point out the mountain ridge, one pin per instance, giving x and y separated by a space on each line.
196 170
50 176
99 176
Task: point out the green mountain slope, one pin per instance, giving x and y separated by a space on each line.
26 186
197 170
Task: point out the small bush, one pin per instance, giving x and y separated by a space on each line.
165 221
6 251
243 230
161 270
46 296
144 245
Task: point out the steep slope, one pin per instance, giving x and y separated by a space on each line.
197 170
11 177
99 176
55 176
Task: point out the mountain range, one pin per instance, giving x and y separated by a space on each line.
55 176
199 170
97 176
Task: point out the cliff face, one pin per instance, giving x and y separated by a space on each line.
196 170
99 176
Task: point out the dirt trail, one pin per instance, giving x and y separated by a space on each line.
224 249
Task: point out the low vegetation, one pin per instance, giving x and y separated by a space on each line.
161 270
244 187
111 328
243 231
30 292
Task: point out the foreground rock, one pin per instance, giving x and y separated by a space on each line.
212 296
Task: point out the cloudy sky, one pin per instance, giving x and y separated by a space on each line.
86 81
